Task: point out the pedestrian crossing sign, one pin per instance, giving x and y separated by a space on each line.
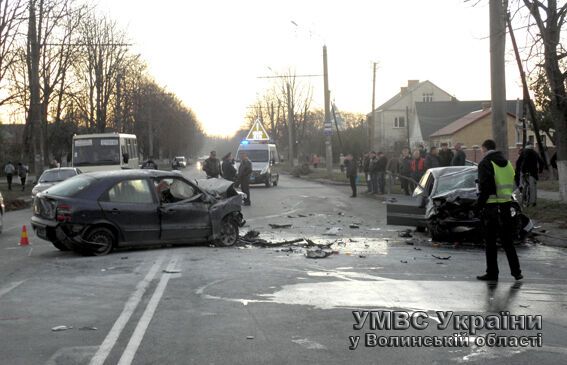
257 132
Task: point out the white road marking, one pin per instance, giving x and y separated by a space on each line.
129 308
139 332
10 287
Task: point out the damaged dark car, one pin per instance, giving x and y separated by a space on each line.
444 203
96 212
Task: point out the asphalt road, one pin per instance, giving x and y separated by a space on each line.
250 305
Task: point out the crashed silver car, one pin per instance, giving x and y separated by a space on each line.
444 203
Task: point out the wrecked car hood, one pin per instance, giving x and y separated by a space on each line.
218 187
449 199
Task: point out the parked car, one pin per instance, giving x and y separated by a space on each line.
96 212
179 162
444 203
54 176
2 212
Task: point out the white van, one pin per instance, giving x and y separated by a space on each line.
105 151
264 156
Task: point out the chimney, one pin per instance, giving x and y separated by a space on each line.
412 83
403 90
486 105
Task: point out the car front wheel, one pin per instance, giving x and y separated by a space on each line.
228 232
99 241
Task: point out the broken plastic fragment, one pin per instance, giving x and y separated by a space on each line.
317 253
441 258
88 328
61 328
171 271
405 234
278 226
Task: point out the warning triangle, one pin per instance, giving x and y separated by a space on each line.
258 132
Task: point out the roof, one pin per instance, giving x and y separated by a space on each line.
461 123
399 95
133 173
436 115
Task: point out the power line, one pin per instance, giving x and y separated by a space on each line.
284 77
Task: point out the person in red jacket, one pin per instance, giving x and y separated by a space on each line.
417 167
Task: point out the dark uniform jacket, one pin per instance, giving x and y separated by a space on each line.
212 167
445 157
351 168
486 182
228 170
244 170
459 159
431 161
529 162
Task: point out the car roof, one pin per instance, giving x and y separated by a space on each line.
133 173
62 169
440 171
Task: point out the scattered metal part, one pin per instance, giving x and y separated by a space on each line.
333 231
61 328
417 248
441 258
124 258
249 337
362 256
403 261
524 306
88 328
354 226
279 226
317 253
172 271
405 234
251 234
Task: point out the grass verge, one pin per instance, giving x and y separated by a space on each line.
548 211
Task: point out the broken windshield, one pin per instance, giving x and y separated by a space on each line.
458 180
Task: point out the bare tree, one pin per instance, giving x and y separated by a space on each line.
550 20
12 15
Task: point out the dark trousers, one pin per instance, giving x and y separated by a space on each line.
405 185
9 179
245 187
498 222
352 180
23 181
381 177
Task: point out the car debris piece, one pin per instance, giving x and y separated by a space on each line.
524 306
279 226
354 226
88 328
417 248
251 234
362 256
403 261
290 216
333 231
302 215
249 337
405 234
317 253
124 258
171 271
441 258
410 242
61 328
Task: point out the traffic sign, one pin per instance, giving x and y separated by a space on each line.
258 132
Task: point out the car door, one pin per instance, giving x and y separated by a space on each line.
132 206
183 210
410 210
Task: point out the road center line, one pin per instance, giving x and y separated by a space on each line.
139 332
129 308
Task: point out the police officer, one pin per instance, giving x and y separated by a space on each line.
212 166
244 172
496 184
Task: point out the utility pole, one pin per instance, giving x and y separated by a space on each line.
34 112
497 74
290 125
372 120
328 141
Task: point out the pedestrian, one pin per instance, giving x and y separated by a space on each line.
404 170
432 159
422 151
460 157
381 166
495 185
373 171
244 172
316 161
23 174
445 155
529 165
351 172
228 169
417 168
366 170
342 162
212 166
9 170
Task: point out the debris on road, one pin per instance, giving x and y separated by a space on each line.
249 337
171 271
124 258
410 242
333 231
417 248
61 328
88 328
251 234
403 261
362 256
302 215
318 253
405 234
279 226
441 258
354 226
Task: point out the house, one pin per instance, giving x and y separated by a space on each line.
475 127
430 117
391 129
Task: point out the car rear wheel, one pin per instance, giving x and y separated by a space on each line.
99 241
228 232
60 245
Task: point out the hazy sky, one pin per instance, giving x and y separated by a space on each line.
211 52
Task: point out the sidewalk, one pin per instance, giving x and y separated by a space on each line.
548 195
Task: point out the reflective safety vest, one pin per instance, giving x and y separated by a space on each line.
504 180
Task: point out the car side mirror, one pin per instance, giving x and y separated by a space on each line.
125 157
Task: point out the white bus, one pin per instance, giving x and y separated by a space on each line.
105 151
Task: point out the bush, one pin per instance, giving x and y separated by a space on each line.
298 171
